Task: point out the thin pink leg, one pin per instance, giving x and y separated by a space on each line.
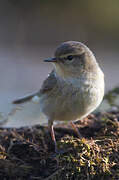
53 137
76 130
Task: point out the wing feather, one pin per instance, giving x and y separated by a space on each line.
47 85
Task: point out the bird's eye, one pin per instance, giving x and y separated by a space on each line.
70 57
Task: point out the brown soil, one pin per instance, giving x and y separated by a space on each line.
28 153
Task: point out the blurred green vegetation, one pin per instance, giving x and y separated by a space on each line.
101 15
63 20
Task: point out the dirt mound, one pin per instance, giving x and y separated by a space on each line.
28 153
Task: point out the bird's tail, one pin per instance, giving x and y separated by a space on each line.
27 114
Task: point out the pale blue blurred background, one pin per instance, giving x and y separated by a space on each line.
30 31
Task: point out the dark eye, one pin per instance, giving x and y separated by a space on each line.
70 57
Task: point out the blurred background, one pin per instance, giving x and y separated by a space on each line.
30 31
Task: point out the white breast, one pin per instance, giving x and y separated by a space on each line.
91 89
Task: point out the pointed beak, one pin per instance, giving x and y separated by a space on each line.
51 60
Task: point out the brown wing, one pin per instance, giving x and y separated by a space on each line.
48 85
24 99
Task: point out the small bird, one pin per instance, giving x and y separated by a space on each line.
73 89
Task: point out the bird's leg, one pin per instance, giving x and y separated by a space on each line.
52 134
76 130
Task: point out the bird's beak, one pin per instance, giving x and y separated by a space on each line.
51 60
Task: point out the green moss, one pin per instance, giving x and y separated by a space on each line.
112 95
94 158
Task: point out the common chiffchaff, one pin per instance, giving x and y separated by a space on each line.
73 89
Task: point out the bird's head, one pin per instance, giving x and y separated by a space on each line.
73 58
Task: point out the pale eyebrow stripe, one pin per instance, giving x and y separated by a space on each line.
65 56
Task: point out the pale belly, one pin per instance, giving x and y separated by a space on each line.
72 105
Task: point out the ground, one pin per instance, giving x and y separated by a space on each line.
28 153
